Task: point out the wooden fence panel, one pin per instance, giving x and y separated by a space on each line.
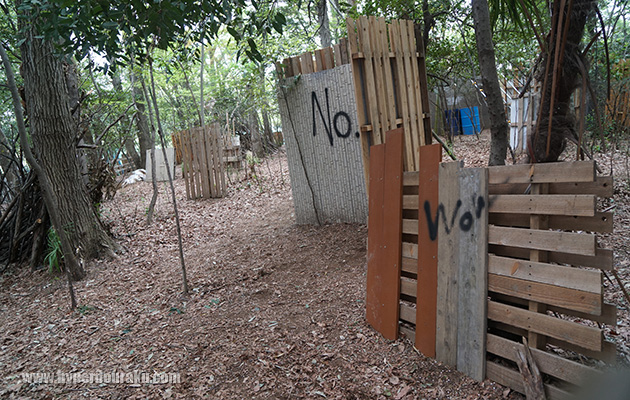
539 240
427 265
462 268
385 236
202 162
387 73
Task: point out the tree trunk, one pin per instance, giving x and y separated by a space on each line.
561 76
53 131
324 23
144 136
130 144
257 145
490 80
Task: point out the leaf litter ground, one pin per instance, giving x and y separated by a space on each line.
276 310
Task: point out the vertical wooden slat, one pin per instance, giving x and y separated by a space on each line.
378 133
392 229
210 160
430 157
371 92
346 55
185 163
190 168
359 95
296 67
319 61
448 260
337 55
408 80
288 68
374 303
220 160
209 139
306 61
401 90
196 161
427 138
538 222
472 228
390 102
328 58
417 113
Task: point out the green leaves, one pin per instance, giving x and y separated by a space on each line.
116 28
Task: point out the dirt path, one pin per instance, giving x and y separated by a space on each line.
276 310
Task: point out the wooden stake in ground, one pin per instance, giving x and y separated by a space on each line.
532 380
47 192
170 179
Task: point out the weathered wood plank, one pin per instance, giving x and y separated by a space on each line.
448 274
407 313
556 204
548 363
392 226
410 265
580 335
374 300
401 88
417 112
560 172
572 299
603 258
411 178
410 202
473 278
601 187
514 380
608 316
427 264
408 287
306 61
568 277
608 354
601 222
575 243
410 250
410 226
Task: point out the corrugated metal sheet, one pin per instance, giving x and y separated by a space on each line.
319 121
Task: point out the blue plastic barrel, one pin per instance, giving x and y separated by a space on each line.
470 120
453 122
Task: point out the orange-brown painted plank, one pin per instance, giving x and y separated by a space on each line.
430 157
392 230
374 303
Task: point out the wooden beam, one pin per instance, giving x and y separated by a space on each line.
603 258
601 187
601 222
574 243
551 274
572 299
556 204
580 335
427 264
560 172
514 380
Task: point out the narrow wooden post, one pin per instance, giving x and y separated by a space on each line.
426 298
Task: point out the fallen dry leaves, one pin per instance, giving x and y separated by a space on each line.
275 311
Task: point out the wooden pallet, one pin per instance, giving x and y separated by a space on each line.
203 167
390 85
544 272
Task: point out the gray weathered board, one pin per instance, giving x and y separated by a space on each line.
462 226
160 165
321 131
